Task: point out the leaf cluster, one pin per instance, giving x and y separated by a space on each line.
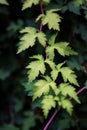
37 68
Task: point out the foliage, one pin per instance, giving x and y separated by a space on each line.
29 38
43 86
43 62
3 2
48 19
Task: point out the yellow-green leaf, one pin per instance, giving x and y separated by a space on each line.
4 2
67 89
43 87
66 104
48 102
29 3
48 19
36 67
29 37
69 75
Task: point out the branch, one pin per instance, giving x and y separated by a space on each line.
57 110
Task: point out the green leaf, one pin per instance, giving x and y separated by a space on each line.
55 71
36 67
41 38
9 127
73 7
47 103
43 87
50 63
54 74
69 75
48 19
79 2
62 48
29 37
4 2
29 3
66 122
52 84
29 121
66 104
74 63
46 1
52 39
67 89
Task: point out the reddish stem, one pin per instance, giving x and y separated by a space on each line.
81 90
42 12
51 119
57 110
41 25
41 7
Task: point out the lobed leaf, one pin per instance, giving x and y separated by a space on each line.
50 63
29 3
41 38
36 67
55 71
69 75
43 87
62 48
48 102
66 104
67 89
48 19
29 37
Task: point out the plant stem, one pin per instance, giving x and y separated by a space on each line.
81 90
57 110
41 25
42 12
51 119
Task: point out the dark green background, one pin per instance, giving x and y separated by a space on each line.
17 112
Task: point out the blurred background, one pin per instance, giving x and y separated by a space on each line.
17 112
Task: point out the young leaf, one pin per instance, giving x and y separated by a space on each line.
54 74
69 75
47 103
29 37
66 104
62 48
50 63
67 89
55 71
41 38
48 19
29 3
43 87
36 67
52 39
